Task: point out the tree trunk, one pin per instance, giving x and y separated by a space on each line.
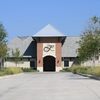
1 63
93 59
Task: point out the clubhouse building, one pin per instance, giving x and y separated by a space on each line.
47 50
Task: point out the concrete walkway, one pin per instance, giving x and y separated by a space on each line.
49 86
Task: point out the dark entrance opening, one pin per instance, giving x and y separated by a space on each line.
49 63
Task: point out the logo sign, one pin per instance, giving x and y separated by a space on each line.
48 49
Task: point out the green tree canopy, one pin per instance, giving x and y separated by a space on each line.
90 40
3 41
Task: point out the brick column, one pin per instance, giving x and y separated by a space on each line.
39 56
58 54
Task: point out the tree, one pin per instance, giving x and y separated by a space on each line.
3 44
90 41
16 55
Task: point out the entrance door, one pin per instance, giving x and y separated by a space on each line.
49 63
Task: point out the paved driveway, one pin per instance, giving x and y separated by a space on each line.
49 86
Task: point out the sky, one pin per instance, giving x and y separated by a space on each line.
26 17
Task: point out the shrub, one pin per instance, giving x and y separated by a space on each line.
79 69
89 71
82 70
95 71
74 69
15 70
12 70
2 73
65 70
29 70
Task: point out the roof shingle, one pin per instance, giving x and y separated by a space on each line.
70 46
21 43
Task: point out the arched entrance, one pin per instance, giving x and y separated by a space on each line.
49 63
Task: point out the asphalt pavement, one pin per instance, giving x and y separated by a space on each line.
49 86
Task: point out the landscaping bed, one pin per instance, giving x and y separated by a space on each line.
10 71
15 70
92 72
29 70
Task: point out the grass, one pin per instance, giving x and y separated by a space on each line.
95 71
15 70
2 73
65 70
77 69
10 71
29 70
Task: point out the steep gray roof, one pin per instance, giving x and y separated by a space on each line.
48 31
21 43
70 46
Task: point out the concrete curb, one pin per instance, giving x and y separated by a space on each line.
8 76
90 76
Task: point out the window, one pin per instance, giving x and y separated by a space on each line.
66 63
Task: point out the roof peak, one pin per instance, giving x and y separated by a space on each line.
49 31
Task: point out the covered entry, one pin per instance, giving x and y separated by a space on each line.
49 63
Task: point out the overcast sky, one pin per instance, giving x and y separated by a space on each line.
26 17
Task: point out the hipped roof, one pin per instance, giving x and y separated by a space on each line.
49 31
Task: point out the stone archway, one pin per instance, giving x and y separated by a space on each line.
49 63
